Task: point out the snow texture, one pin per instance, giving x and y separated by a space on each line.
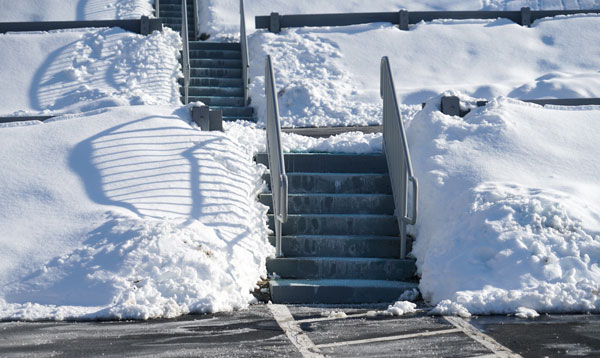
127 213
81 70
72 10
508 207
524 312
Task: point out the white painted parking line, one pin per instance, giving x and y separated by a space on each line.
389 338
485 340
293 331
321 319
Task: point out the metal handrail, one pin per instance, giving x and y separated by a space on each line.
186 51
196 20
397 155
279 180
244 48
157 8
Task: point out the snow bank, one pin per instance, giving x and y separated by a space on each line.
330 76
509 213
127 213
71 10
221 18
81 70
253 138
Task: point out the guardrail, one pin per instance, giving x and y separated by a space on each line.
143 26
397 155
244 47
275 22
279 180
450 105
185 52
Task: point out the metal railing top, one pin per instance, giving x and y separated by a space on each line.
143 26
244 48
279 182
186 52
275 22
395 146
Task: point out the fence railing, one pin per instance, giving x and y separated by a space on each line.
398 156
157 8
143 25
450 105
185 52
279 181
275 22
244 47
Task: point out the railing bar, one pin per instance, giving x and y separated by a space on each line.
157 8
186 52
244 49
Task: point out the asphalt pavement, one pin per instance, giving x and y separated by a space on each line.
308 331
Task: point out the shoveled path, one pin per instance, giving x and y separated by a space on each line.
308 332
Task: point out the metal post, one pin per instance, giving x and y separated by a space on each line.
525 16
275 23
403 20
157 8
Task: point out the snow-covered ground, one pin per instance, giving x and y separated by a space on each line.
79 70
71 10
130 212
127 212
509 213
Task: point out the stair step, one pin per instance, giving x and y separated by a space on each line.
340 246
205 45
337 291
342 268
235 118
335 203
216 54
215 82
336 183
219 101
216 63
216 91
331 224
216 72
331 162
235 111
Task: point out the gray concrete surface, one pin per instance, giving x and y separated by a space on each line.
255 333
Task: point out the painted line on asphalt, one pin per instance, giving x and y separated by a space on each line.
333 318
294 333
389 338
485 340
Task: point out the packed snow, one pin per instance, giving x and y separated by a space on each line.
508 207
72 10
67 71
330 76
127 212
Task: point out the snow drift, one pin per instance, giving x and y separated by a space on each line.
127 213
509 213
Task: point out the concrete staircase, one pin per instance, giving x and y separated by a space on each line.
216 68
340 242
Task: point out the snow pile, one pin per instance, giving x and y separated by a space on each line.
509 207
221 18
127 213
80 70
254 139
72 10
330 76
449 308
524 312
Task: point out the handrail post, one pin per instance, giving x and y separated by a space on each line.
157 8
395 146
279 182
186 51
244 48
196 20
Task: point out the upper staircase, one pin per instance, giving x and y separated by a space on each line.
340 242
216 67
